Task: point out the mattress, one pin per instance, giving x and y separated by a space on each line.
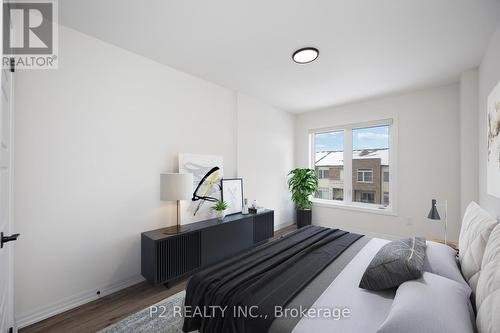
335 290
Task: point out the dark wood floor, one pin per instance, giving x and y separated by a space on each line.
107 310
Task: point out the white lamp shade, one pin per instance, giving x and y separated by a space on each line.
176 186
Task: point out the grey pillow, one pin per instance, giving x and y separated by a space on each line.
395 263
431 304
441 260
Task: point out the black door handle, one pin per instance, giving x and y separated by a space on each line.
6 239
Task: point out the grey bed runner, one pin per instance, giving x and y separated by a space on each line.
267 276
308 296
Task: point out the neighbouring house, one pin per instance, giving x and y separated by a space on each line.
370 175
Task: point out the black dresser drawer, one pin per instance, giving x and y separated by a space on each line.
224 240
263 227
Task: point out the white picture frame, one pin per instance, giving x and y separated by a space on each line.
232 194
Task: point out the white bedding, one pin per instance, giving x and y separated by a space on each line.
368 309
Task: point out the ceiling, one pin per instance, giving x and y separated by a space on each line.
367 48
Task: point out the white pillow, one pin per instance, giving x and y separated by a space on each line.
492 249
441 260
474 233
488 286
488 298
431 304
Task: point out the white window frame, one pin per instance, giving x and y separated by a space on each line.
348 202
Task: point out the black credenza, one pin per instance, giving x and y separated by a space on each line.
166 258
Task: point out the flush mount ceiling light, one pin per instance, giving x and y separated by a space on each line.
305 55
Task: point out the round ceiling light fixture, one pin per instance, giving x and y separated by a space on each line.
305 55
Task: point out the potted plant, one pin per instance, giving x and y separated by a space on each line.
303 183
220 209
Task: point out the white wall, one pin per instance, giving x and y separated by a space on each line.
469 169
428 160
489 76
266 155
91 139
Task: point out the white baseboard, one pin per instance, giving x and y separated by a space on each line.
72 302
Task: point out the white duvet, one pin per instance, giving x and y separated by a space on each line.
367 310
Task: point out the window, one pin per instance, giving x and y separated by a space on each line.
365 176
386 198
323 174
357 160
323 193
366 197
386 176
338 194
328 163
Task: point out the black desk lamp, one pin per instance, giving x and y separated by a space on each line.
434 215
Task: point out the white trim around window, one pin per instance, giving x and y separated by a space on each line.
348 203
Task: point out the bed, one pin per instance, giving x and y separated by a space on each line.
339 282
320 269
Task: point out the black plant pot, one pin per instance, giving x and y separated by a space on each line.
304 217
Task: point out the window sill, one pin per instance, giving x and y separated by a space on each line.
359 207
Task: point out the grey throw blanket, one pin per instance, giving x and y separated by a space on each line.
262 278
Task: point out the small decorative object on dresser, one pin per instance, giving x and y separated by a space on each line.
244 211
220 208
232 194
256 209
303 183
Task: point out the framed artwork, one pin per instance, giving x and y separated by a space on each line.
207 173
493 162
232 194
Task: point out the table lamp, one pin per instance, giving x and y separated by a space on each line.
434 215
176 187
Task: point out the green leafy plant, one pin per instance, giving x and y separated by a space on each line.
220 206
302 183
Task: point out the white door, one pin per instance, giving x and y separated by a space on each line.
6 257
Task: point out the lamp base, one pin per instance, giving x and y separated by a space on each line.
178 228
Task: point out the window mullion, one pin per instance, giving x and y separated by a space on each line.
348 165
